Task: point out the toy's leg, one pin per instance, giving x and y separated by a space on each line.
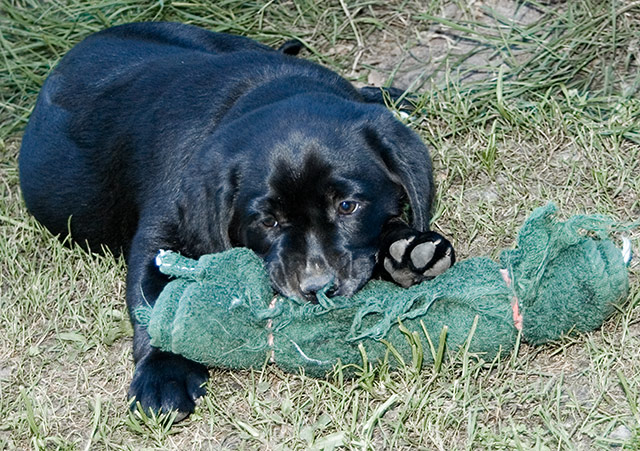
162 381
408 256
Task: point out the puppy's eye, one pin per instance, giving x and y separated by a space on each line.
347 207
270 222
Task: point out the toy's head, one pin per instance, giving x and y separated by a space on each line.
565 274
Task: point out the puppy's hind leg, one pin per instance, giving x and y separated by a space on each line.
408 256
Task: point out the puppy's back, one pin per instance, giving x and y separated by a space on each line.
81 135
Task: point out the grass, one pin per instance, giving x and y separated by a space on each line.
517 112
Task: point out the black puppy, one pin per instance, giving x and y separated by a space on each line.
165 136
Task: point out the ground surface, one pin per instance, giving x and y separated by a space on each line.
520 104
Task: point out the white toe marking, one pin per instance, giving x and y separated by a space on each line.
422 254
404 277
388 266
398 248
439 267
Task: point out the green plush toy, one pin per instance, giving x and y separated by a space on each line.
221 311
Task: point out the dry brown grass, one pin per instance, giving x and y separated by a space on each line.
560 122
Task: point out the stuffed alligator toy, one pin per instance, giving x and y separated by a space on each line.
563 276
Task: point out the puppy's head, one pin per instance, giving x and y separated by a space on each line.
313 196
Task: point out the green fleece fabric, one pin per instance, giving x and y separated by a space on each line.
220 310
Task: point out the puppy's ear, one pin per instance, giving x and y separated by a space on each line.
407 159
205 209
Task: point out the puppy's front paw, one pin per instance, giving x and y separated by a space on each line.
164 382
409 256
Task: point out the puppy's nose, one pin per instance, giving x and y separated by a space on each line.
310 285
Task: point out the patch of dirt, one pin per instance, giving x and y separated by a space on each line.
414 57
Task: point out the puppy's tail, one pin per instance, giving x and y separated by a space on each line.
291 47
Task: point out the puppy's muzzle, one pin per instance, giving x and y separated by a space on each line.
313 283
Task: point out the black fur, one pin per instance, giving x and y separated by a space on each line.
165 136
